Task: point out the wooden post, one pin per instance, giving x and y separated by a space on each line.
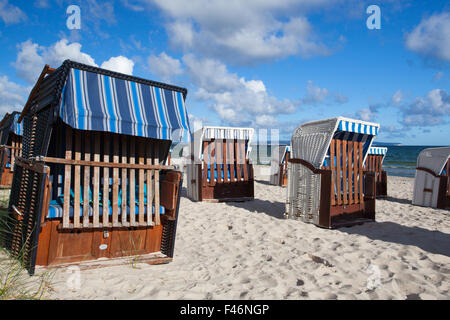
124 184
132 185
67 178
141 182
96 182
157 216
333 173
105 198
86 184
115 182
77 185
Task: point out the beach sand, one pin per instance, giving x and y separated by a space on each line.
247 250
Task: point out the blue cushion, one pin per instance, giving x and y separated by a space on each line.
55 210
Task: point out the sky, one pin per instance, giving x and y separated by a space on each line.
266 64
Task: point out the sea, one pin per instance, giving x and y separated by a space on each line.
400 160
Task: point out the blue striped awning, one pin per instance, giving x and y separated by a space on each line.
358 127
378 150
93 101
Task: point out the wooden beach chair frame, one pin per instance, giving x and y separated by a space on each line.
327 185
10 147
228 149
62 166
374 162
278 165
432 179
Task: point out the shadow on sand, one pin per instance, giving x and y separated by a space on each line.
435 242
273 209
398 200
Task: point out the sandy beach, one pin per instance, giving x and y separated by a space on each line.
247 250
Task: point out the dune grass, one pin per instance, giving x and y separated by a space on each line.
15 282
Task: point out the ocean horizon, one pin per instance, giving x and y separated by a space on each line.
400 159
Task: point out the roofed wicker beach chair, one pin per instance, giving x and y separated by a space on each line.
278 165
374 162
10 147
432 181
220 168
327 184
91 182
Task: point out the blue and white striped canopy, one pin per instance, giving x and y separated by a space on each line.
355 126
378 150
93 101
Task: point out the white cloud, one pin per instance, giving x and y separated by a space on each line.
164 66
63 50
12 96
397 98
41 4
242 31
10 13
365 114
235 100
119 64
29 62
431 110
431 38
31 58
316 95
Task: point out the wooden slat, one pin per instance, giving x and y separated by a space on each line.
124 181
344 172
360 166
219 148
13 153
237 152
205 162
338 172
105 198
355 171
212 153
96 182
244 159
157 213
149 185
77 182
141 153
115 186
67 179
225 161
350 161
333 173
231 159
132 203
86 182
106 164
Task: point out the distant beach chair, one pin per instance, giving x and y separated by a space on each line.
278 165
432 180
10 147
374 162
91 182
220 168
327 184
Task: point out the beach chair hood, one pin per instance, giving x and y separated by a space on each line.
209 132
378 151
95 99
311 141
10 124
433 159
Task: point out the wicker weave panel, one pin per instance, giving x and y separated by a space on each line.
303 194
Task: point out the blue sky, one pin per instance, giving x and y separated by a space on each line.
265 64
